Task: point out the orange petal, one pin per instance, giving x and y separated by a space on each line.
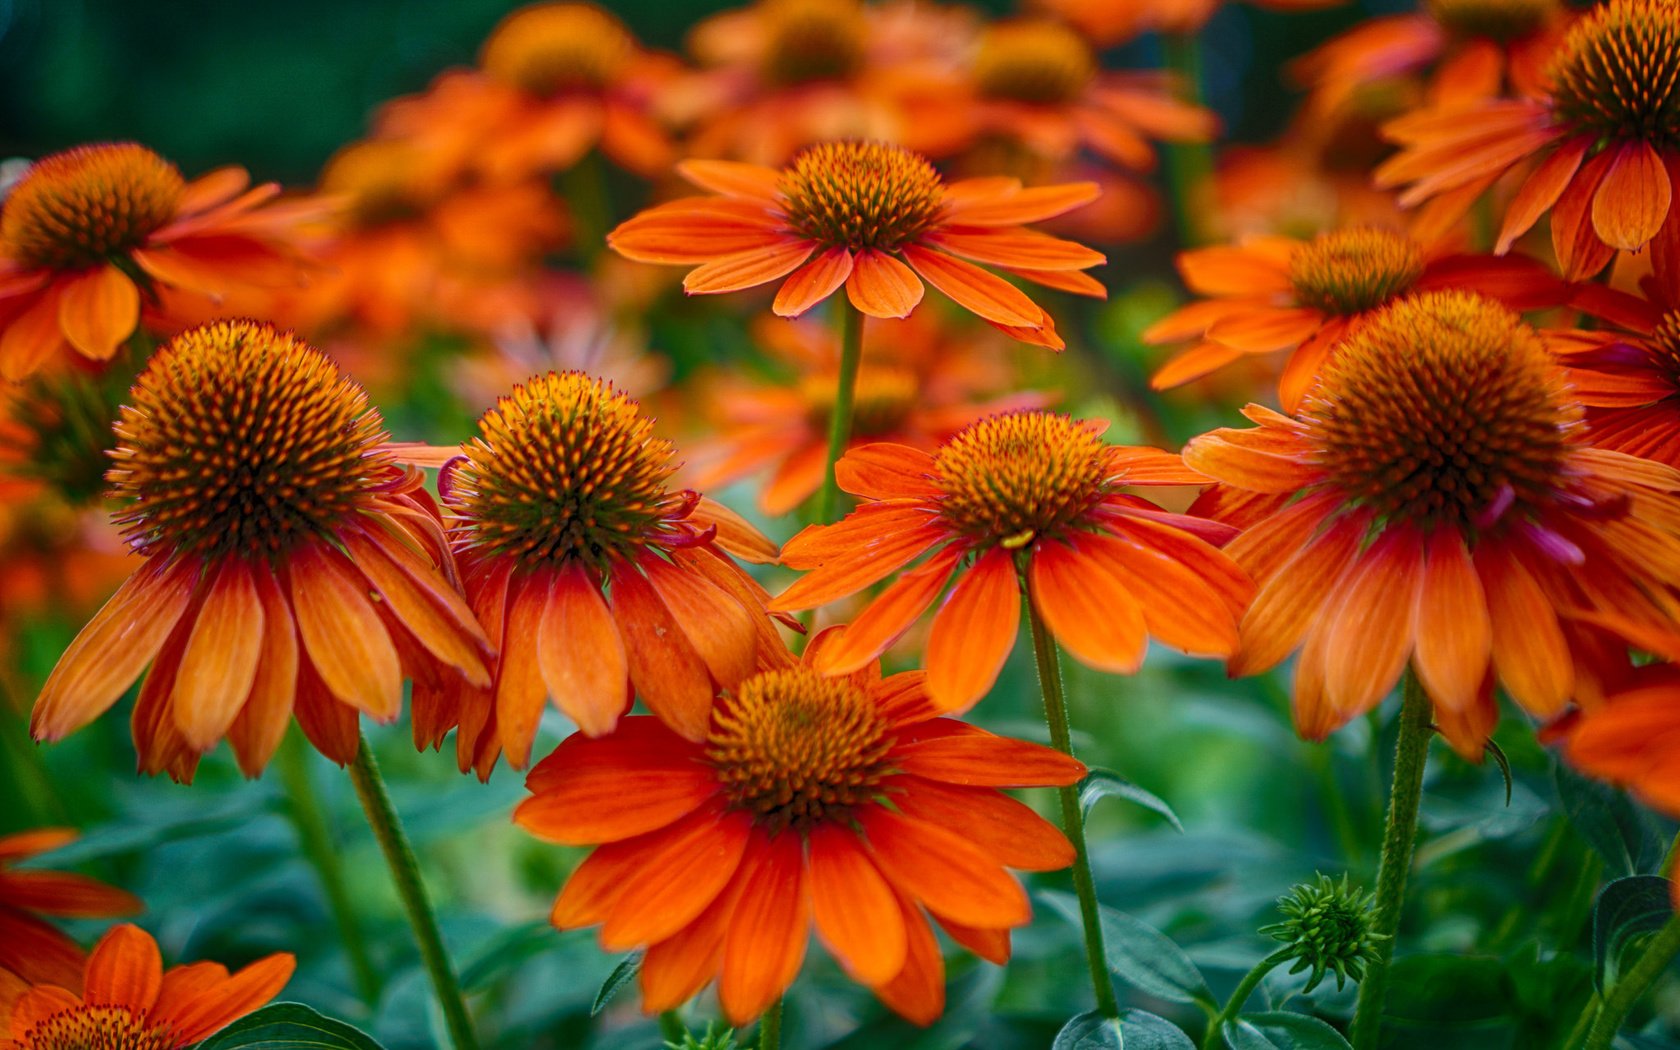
883 470
1266 330
1006 830
675 884
520 690
124 969
747 269
211 189
734 179
1258 460
182 984
37 1004
1371 628
696 230
974 631
882 539
1292 597
767 931
1632 201
734 533
1256 268
262 722
1529 649
1541 190
421 600
347 644
917 992
1179 606
856 912
1021 249
1020 208
225 1002
1088 609
1580 252
980 759
21 844
972 288
596 806
881 286
680 965
1454 638
889 615
813 282
30 338
1063 280
219 665
950 876
98 310
580 654
718 626
670 676
1193 363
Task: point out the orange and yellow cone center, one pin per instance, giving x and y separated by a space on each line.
858 195
1617 74
795 748
1040 63
1351 271
1500 20
80 207
1440 408
882 401
563 468
552 48
1015 476
810 40
97 1028
238 438
382 181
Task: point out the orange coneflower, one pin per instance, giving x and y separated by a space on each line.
1628 376
839 801
128 1001
919 381
86 234
1036 500
1436 502
1474 50
1601 143
1270 294
590 573
1109 22
30 947
876 218
290 565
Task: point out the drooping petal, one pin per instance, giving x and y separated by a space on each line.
889 615
718 626
1541 190
420 598
262 722
98 310
1633 200
813 282
520 690
855 911
672 887
223 650
346 641
974 631
767 932
950 876
917 992
580 653
670 676
881 286
1454 638
1088 609
30 338
1529 648
1371 628
972 288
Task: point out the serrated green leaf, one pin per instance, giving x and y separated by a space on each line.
1279 1030
1621 832
1105 783
1132 1030
289 1026
625 972
1139 954
1625 909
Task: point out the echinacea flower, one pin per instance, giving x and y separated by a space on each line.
128 1001
1601 145
1435 503
919 381
290 565
1627 371
1269 294
842 802
590 573
875 218
89 233
31 947
1036 501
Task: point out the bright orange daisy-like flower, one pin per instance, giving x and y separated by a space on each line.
591 574
29 946
1629 379
1035 499
87 233
1601 144
1269 294
839 801
290 565
875 218
128 1001
1436 503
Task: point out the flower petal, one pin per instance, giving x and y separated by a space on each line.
972 288
767 931
1454 637
580 654
1088 609
219 665
98 310
1633 200
889 615
855 911
974 631
124 969
950 876
813 282
342 633
670 676
673 886
881 286
747 269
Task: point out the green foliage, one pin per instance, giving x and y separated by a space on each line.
1281 1031
288 1026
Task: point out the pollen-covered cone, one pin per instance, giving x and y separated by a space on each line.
290 566
1027 498
592 576
128 1001
86 232
874 218
1435 503
842 802
30 947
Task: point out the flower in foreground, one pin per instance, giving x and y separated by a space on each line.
1269 294
30 947
590 573
875 218
86 232
1435 503
290 566
128 1001
1605 135
1027 498
843 802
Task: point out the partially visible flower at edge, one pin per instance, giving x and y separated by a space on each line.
30 947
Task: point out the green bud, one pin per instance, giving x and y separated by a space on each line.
1327 926
715 1039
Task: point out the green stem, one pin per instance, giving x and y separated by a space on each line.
584 186
1189 164
405 873
770 1028
1073 815
840 420
1245 988
1411 753
1659 951
671 1027
310 822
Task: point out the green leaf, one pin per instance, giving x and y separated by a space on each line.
1498 755
1139 954
1280 1030
289 1026
1623 833
1132 1030
1105 783
1625 909
625 972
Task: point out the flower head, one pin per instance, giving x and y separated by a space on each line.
875 218
1033 498
289 564
29 946
1627 374
597 576
1435 502
128 1001
839 801
1327 926
89 233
